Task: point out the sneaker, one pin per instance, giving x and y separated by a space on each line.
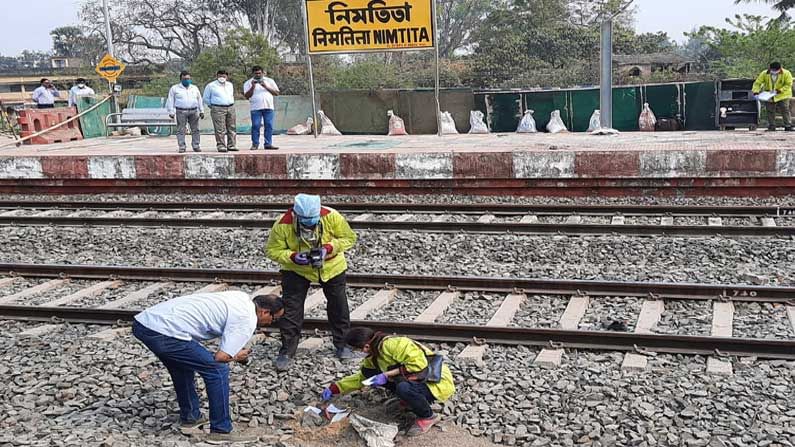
422 426
228 438
282 362
232 149
254 147
221 149
270 147
788 129
195 424
196 149
182 150
345 353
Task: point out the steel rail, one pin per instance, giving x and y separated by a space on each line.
484 208
556 338
671 291
436 227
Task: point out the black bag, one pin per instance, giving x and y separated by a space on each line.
433 373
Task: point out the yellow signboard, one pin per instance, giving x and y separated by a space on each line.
110 68
352 26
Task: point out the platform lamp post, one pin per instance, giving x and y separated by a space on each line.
109 40
606 68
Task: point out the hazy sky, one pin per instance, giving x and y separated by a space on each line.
27 25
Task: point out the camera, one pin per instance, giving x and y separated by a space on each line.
316 257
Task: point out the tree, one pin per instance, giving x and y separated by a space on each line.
71 41
458 20
780 5
150 31
280 21
241 49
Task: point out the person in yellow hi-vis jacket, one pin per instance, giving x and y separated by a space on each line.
309 242
410 370
777 81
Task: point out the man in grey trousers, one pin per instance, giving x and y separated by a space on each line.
185 102
219 95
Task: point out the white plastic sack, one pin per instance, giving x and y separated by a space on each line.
647 120
556 124
374 433
477 123
766 96
596 121
528 123
396 125
448 124
327 127
302 129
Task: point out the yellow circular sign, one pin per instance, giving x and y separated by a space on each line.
110 68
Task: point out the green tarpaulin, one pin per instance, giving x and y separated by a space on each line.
150 102
92 124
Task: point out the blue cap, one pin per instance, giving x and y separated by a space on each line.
307 209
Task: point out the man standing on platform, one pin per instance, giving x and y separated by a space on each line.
44 95
79 90
219 95
185 102
260 90
777 81
309 242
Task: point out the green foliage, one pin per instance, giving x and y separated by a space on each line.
159 86
750 47
240 50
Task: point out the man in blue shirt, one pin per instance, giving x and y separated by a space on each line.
173 329
219 95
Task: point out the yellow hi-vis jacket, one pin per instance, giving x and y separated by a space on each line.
410 356
337 237
764 83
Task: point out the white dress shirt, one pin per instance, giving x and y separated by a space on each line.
45 96
217 94
262 98
204 316
77 92
181 97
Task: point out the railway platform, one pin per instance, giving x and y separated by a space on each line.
683 162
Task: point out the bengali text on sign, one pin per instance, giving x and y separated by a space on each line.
350 26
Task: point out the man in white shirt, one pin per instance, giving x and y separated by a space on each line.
219 95
45 94
260 90
173 330
79 90
185 102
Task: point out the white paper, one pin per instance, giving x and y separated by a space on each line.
339 416
766 96
369 382
315 410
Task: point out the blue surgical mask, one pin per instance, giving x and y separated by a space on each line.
187 82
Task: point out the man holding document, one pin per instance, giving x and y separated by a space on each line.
774 88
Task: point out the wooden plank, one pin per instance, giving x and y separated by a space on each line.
377 301
437 307
110 334
11 213
570 321
649 316
40 330
211 216
486 218
530 220
138 295
404 218
314 300
4 282
574 219
35 290
439 218
768 222
212 288
791 314
47 213
715 221
667 221
722 326
617 220
501 318
362 218
88 292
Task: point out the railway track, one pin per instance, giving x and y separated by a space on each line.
743 221
429 325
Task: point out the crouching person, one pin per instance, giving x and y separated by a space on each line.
172 331
404 367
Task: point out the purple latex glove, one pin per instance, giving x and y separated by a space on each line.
300 258
379 380
327 394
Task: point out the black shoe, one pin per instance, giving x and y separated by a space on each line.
282 362
232 149
771 128
196 149
270 147
788 129
221 149
182 151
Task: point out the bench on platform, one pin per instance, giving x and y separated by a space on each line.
140 118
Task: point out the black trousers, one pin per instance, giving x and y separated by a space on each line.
417 395
294 290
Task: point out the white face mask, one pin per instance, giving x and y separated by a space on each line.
81 85
222 80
